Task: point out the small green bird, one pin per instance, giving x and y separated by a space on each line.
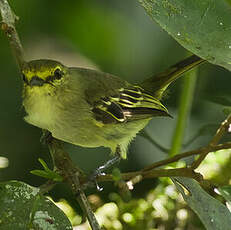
91 108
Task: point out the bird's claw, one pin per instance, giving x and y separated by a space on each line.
93 178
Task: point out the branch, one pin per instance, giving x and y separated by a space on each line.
177 157
71 175
212 147
214 142
149 172
221 131
182 172
8 27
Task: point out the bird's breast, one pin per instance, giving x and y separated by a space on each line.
40 107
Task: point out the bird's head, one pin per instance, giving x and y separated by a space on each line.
39 73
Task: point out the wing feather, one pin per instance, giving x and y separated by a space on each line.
128 104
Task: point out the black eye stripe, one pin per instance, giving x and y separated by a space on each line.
50 78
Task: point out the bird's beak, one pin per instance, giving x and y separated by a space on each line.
36 81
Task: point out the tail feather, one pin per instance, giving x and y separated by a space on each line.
157 84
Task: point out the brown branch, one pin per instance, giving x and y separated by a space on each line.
71 175
8 27
183 172
149 172
177 157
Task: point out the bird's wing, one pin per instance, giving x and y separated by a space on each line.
113 100
127 104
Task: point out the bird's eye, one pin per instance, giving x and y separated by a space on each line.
58 73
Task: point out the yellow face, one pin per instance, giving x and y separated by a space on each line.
39 73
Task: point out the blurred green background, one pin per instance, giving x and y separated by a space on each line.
116 37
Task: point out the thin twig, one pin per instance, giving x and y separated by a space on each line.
221 131
8 27
177 157
214 142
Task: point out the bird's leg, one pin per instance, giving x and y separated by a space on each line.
101 169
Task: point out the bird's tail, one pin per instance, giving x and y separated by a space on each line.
157 84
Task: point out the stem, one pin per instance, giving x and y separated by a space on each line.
215 140
221 131
186 99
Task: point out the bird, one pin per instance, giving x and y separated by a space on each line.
90 108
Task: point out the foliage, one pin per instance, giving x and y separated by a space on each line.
201 27
22 207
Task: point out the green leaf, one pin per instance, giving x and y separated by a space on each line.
213 214
22 207
44 164
46 173
201 26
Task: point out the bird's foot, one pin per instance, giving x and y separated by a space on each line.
93 178
100 171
